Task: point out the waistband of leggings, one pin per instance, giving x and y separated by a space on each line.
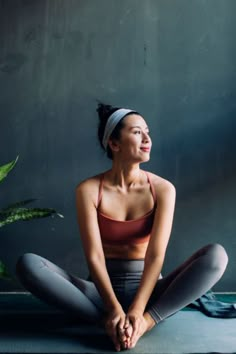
124 265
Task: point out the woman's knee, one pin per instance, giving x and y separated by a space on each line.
26 263
217 256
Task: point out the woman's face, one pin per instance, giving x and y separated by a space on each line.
135 143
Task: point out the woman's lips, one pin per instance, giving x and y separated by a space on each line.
145 149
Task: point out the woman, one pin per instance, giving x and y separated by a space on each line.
125 218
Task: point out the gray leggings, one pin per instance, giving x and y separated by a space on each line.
80 297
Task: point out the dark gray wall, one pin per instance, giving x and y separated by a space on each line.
174 61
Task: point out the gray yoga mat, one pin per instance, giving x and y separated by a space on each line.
29 326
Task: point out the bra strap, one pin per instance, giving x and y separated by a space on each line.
100 190
152 188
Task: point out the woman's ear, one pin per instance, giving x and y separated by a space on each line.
114 145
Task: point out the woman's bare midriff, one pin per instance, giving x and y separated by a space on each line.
130 251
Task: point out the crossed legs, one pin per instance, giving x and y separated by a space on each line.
69 293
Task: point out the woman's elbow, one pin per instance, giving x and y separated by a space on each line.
95 259
153 257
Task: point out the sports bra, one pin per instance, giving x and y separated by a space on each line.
125 232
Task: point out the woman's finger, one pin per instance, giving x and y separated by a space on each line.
115 339
136 326
127 322
129 331
111 328
120 326
127 328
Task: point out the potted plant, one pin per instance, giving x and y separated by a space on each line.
18 211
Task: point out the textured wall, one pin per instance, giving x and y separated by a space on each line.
174 61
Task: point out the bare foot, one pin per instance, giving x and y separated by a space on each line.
146 325
125 338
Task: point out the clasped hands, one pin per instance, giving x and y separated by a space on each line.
125 329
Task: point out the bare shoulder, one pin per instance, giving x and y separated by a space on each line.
162 186
88 183
88 188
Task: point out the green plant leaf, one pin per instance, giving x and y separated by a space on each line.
5 169
28 214
12 212
3 271
12 207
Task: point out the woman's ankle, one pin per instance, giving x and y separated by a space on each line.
150 321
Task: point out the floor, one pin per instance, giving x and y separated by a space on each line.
29 326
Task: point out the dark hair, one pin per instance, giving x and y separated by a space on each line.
104 111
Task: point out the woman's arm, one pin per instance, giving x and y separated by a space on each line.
86 194
156 250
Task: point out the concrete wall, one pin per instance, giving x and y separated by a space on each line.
174 61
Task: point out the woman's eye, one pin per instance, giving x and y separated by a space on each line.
137 132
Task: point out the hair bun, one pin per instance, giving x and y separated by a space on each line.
104 111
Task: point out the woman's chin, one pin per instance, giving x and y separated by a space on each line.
145 159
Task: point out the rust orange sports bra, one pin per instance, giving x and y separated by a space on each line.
125 232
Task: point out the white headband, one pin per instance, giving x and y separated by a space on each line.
112 122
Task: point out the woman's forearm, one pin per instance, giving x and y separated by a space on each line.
151 273
102 281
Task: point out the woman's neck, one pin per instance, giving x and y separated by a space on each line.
125 176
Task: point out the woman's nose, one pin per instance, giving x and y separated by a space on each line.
146 137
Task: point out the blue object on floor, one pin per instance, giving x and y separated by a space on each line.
212 307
